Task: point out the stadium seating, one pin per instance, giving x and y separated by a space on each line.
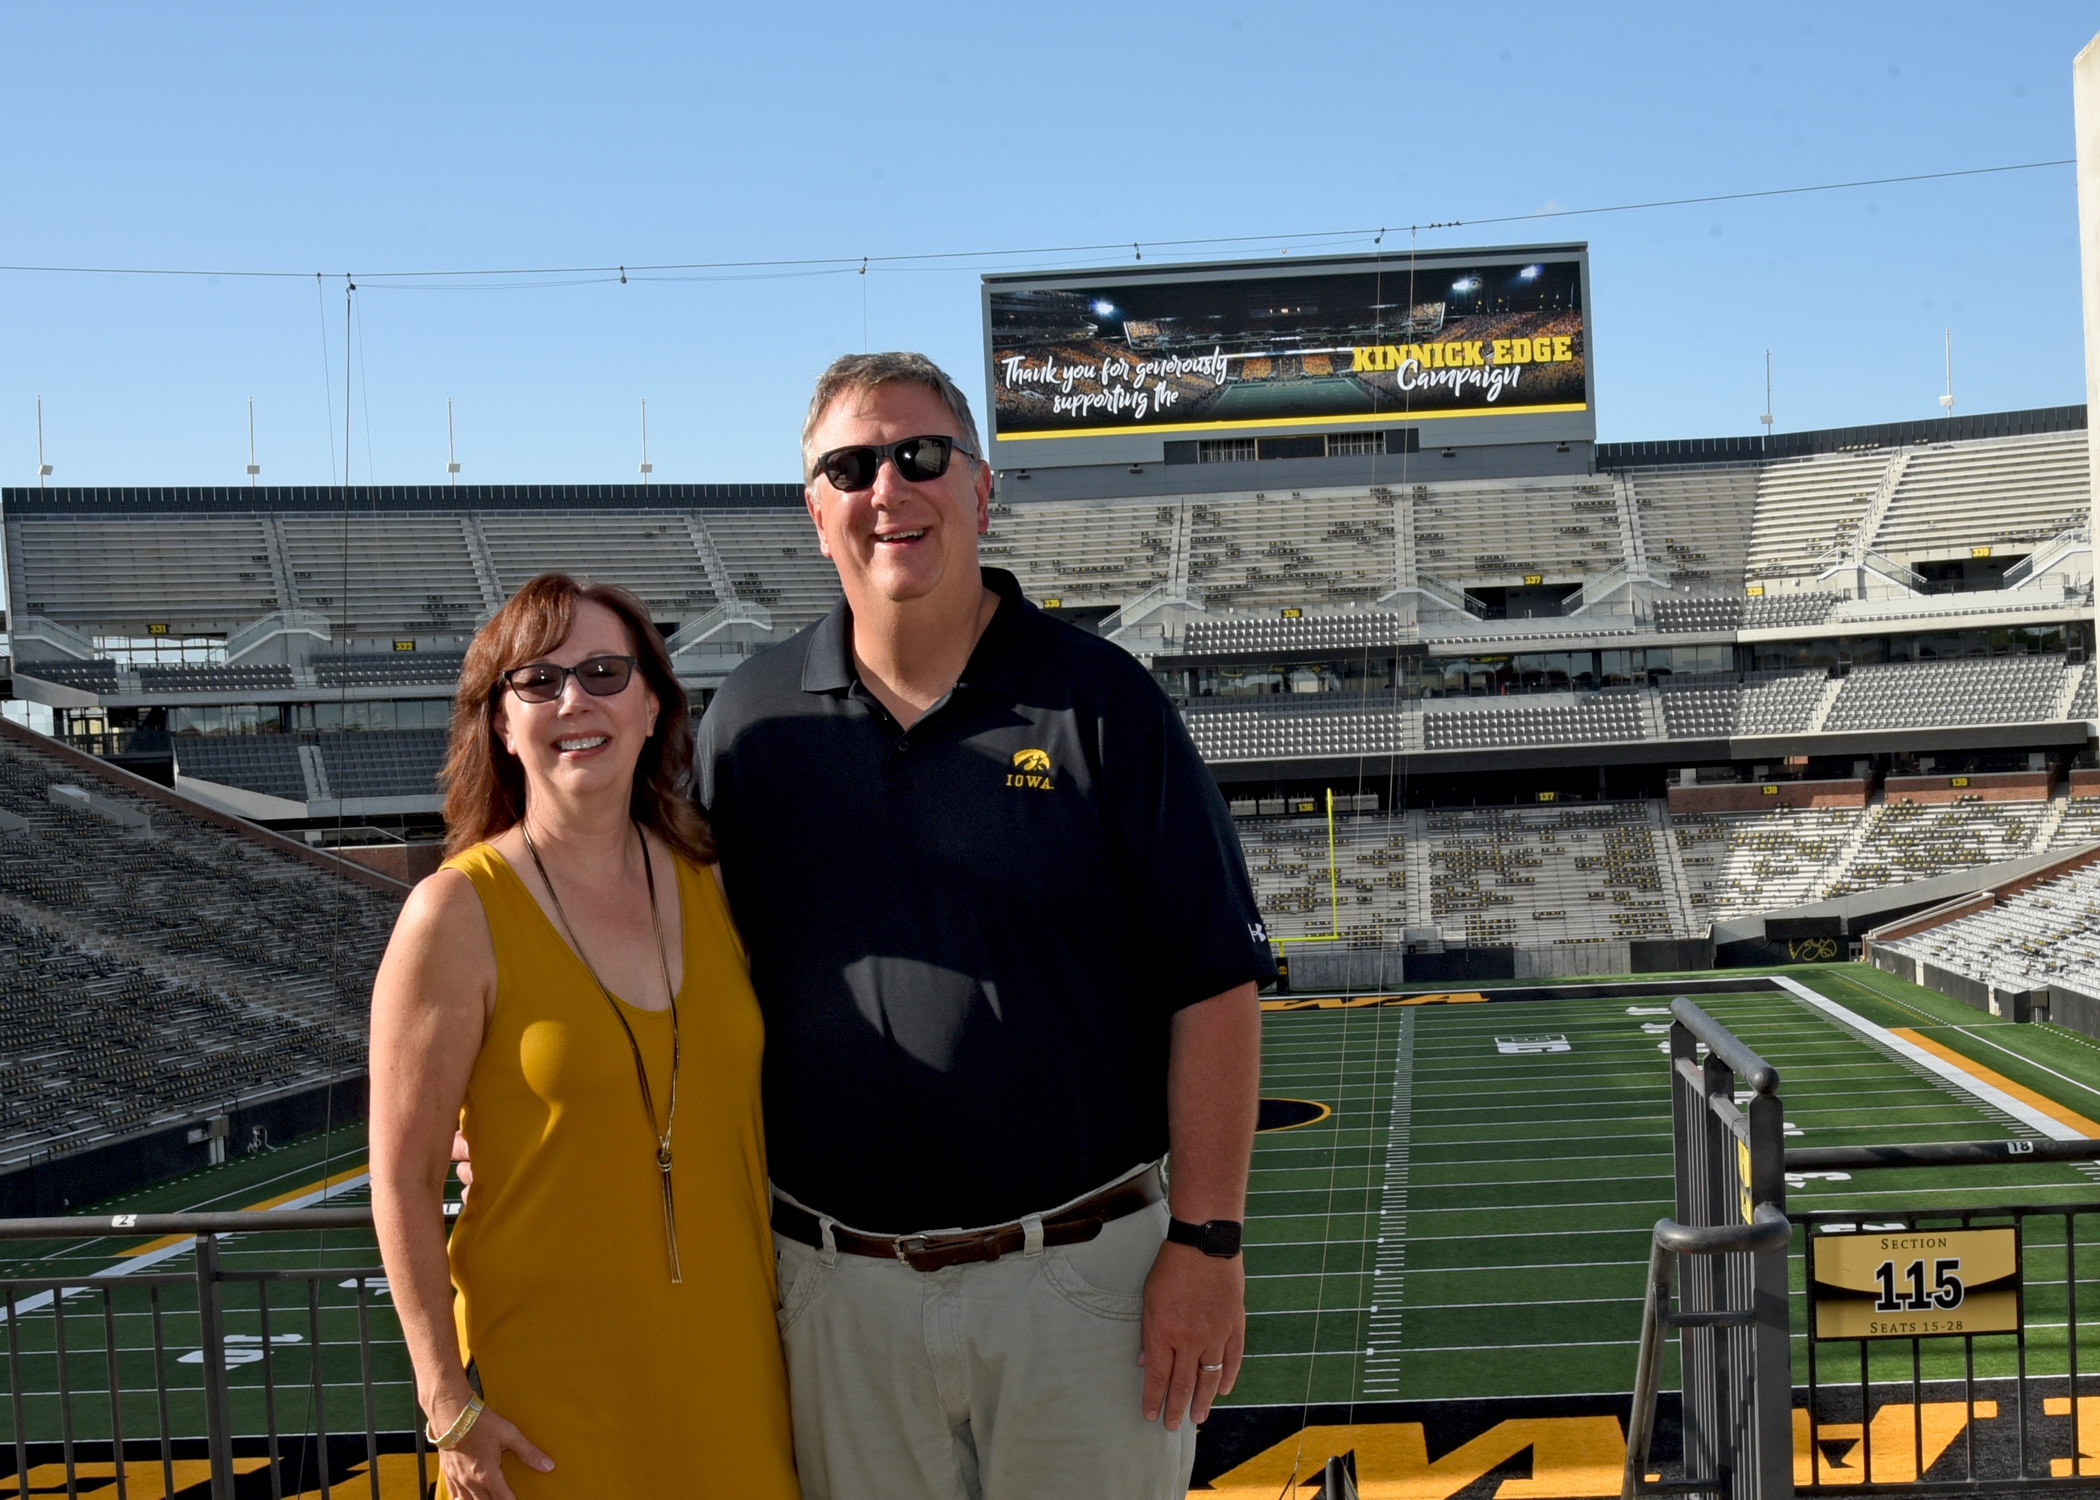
1297 726
1910 841
1683 615
1807 506
265 763
1500 533
1789 611
98 676
1970 690
771 558
1083 553
379 572
2080 825
2003 492
383 763
1695 524
1577 719
214 679
1321 548
654 554
1534 877
1338 632
1782 704
2046 934
128 571
152 975
2083 700
387 668
1735 863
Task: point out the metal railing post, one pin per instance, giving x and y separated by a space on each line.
1771 1432
218 1411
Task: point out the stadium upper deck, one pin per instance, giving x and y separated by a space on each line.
1686 604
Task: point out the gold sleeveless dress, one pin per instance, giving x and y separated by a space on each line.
633 1386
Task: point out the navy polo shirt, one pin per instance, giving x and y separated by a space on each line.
969 937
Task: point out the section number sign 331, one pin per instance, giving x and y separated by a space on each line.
1917 1283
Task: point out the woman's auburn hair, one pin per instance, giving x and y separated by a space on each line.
485 784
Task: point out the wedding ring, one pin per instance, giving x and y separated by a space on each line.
1218 1366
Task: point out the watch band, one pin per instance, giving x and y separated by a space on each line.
1214 1237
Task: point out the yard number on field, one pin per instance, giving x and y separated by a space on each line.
1518 1046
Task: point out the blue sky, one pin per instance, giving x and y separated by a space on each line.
396 138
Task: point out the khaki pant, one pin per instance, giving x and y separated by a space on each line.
1015 1379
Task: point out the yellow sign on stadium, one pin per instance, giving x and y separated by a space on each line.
1979 552
1755 591
157 627
1533 580
1294 613
1917 1283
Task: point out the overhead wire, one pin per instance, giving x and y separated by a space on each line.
903 258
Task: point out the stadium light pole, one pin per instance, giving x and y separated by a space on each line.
1766 419
43 470
451 457
2085 116
1947 401
647 467
253 467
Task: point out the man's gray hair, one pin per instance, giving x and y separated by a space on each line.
863 372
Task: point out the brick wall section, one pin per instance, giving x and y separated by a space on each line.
1984 786
2085 783
1752 796
407 863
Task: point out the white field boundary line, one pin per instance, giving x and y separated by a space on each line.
134 1263
1918 1057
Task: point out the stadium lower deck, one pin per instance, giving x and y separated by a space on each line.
1444 1268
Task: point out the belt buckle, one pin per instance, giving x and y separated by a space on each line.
906 1246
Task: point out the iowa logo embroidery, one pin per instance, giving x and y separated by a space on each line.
1031 770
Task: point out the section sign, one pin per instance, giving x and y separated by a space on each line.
1917 1283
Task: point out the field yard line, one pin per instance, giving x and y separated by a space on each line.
1381 1368
1961 1078
153 1255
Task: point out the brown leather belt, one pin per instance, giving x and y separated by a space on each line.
935 1252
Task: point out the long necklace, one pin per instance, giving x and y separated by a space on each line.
641 1070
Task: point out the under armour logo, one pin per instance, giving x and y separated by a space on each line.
1258 932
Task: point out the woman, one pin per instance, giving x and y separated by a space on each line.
568 991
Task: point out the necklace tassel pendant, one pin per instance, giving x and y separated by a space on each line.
663 1163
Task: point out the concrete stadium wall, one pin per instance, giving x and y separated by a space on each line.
1753 796
2074 1010
59 1184
1321 969
1985 786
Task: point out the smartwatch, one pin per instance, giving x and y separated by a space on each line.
1217 1237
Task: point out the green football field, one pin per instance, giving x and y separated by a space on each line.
1473 1222
1467 1221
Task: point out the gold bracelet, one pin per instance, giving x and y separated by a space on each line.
461 1426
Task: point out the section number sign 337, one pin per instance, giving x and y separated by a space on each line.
1917 1283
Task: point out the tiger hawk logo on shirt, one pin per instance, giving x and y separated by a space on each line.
1032 771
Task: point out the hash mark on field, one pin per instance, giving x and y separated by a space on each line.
1388 1279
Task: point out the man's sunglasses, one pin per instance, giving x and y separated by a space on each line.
917 459
542 681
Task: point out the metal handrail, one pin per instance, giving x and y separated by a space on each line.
1726 1045
1768 1230
243 1221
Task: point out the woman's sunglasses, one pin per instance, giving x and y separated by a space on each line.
917 459
542 681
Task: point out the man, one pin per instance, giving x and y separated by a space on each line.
1007 952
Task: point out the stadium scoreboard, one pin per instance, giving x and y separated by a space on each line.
1341 353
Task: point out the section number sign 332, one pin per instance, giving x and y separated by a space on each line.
1917 1283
